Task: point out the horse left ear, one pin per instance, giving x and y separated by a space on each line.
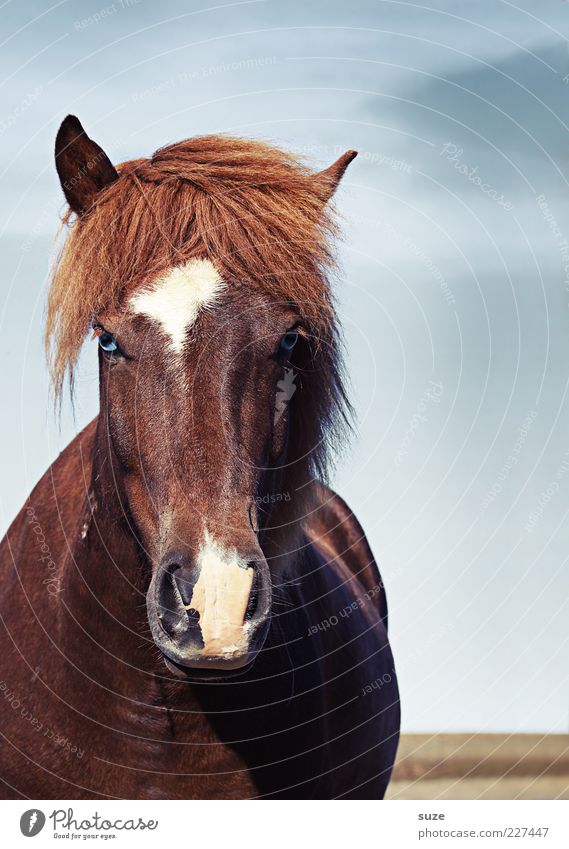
83 167
327 181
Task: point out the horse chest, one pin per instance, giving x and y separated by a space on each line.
175 755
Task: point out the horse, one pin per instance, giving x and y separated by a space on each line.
188 610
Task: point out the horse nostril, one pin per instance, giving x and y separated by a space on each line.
185 585
169 604
174 598
193 616
185 582
253 602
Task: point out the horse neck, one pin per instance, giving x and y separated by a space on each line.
103 585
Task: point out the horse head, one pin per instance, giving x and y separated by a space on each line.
200 272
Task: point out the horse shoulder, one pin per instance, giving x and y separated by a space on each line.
46 524
348 611
335 532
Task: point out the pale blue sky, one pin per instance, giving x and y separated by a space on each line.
454 296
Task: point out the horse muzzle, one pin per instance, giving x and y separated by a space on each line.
209 613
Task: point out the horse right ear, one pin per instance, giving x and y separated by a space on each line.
83 167
326 182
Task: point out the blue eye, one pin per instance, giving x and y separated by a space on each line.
288 342
108 342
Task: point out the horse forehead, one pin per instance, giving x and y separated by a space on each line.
175 299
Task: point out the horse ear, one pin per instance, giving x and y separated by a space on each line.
83 167
327 181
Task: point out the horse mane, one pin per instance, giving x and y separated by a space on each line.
256 213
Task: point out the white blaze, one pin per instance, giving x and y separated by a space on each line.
220 596
175 299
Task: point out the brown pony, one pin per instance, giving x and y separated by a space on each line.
187 611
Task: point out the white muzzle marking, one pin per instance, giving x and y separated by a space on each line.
220 596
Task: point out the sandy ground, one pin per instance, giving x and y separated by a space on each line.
481 766
481 788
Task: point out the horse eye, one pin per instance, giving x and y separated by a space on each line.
108 342
288 342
